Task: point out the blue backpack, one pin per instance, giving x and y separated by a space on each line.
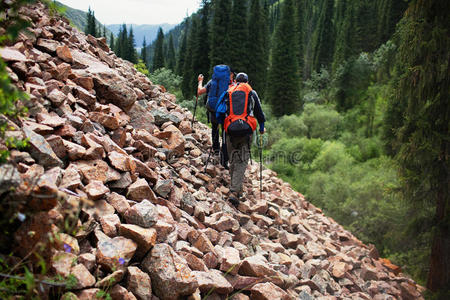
219 84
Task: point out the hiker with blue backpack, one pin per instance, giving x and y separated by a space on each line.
239 109
221 80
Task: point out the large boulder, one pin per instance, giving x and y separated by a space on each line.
212 281
115 253
41 150
115 90
171 276
143 214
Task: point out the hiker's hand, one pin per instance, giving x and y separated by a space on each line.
262 132
200 77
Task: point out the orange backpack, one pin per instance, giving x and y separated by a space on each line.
239 121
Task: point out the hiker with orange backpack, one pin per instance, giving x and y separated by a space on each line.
239 109
222 79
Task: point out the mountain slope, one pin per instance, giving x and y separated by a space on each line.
76 16
148 218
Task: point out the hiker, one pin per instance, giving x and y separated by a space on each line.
222 79
239 109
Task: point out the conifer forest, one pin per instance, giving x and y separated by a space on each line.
356 96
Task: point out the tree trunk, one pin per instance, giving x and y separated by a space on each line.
439 275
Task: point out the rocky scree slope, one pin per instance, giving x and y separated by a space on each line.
157 226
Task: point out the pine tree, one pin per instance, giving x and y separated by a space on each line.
144 55
119 41
195 48
343 25
389 12
93 25
88 19
158 57
188 73
283 90
238 55
300 32
111 42
422 88
324 37
131 45
256 48
183 48
365 29
220 39
310 16
90 23
203 43
171 60
266 45
122 43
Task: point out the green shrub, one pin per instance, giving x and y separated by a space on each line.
322 121
166 78
293 126
331 154
141 67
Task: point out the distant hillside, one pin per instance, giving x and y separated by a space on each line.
78 18
149 31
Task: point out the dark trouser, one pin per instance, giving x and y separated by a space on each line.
215 134
224 150
215 137
239 151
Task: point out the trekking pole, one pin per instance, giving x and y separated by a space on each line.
195 109
260 166
207 161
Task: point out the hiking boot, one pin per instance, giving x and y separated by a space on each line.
234 199
216 158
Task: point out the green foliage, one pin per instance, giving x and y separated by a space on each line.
316 88
20 280
203 63
144 55
257 48
189 83
295 151
171 60
283 90
13 23
196 58
324 37
293 126
300 27
55 8
111 42
132 55
158 57
331 154
238 48
11 99
322 121
124 44
183 48
422 137
166 78
91 26
141 67
103 295
352 80
220 32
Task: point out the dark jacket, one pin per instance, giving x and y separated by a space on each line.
254 108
